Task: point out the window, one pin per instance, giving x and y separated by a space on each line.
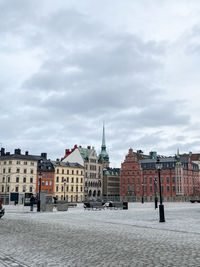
43 183
8 179
31 171
18 170
8 189
63 171
76 188
57 179
10 162
72 188
67 179
25 162
2 188
150 180
24 188
67 171
18 162
133 180
31 180
167 188
72 171
16 189
56 188
57 170
77 180
77 172
24 180
9 170
31 189
25 170
150 188
4 170
32 163
81 189
46 182
81 180
167 180
50 183
17 179
72 179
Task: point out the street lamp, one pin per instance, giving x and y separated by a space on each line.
142 193
161 206
155 192
38 202
64 187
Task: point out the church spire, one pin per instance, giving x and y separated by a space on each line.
103 146
103 156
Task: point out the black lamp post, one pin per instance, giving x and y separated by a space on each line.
64 187
38 202
142 193
155 192
161 206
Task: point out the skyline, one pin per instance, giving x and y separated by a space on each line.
68 66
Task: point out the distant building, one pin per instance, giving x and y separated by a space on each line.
68 181
93 169
139 178
111 184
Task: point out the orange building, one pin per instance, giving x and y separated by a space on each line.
45 171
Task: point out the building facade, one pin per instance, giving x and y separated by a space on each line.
111 184
45 171
18 174
68 181
93 169
139 178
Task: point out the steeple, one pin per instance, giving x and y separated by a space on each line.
103 157
103 146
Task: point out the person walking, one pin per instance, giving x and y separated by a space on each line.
32 200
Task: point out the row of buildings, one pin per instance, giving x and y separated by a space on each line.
81 175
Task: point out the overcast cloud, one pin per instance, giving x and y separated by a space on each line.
67 66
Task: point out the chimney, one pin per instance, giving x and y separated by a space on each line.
75 146
26 153
2 151
88 147
17 151
44 155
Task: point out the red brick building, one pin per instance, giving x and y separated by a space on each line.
46 169
139 177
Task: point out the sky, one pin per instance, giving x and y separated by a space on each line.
68 66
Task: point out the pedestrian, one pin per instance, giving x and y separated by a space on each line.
32 200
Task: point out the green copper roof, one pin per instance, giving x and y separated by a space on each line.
85 152
104 153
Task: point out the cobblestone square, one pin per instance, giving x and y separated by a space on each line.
132 237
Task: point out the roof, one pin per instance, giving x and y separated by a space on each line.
67 164
112 171
85 152
45 166
20 156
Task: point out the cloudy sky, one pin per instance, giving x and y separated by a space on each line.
67 66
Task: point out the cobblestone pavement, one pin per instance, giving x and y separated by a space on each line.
101 238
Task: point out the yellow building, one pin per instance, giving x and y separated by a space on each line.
18 175
68 181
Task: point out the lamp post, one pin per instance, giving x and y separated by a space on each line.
64 187
155 192
142 193
161 206
38 202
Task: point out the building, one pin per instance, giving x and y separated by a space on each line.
88 158
68 181
45 170
111 184
139 178
18 174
